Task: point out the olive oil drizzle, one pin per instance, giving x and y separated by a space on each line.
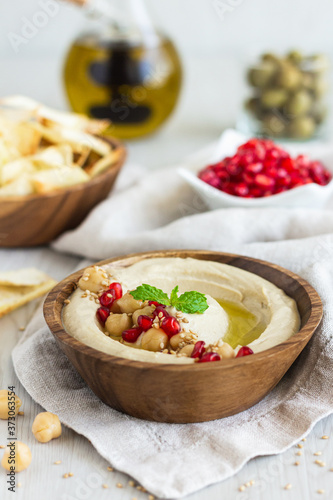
244 327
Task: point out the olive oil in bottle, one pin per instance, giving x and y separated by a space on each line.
128 74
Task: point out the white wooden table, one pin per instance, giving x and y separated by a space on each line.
181 136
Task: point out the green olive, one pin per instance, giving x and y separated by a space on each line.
254 107
299 103
288 77
295 56
319 112
302 128
320 86
270 57
262 75
307 80
273 98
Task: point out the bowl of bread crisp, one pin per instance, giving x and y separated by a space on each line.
55 166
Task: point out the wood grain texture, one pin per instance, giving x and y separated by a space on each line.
208 391
33 220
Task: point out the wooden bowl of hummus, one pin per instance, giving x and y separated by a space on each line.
220 300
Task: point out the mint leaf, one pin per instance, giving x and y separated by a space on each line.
148 292
188 302
192 303
174 296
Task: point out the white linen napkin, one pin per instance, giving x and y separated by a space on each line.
160 212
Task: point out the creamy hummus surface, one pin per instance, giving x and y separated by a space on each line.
221 283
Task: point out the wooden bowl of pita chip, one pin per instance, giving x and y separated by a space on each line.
55 167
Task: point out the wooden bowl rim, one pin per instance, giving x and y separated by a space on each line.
75 187
58 330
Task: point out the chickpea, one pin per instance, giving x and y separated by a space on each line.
17 457
93 279
154 339
226 351
9 404
147 311
46 426
188 349
176 340
128 304
115 308
117 323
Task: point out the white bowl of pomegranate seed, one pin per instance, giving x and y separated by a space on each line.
259 173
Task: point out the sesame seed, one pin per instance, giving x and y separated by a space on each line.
185 320
320 463
299 453
318 453
162 345
182 335
321 492
2 446
241 488
119 485
21 413
299 445
65 476
58 462
252 482
22 328
70 474
131 483
105 486
288 486
110 468
247 484
19 485
304 439
151 497
324 437
296 463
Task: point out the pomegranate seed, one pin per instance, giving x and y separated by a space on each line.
254 168
199 349
160 312
209 356
241 190
108 298
244 351
170 325
117 289
263 181
145 322
260 168
155 303
131 335
102 315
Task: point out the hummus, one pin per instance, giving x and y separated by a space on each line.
232 294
